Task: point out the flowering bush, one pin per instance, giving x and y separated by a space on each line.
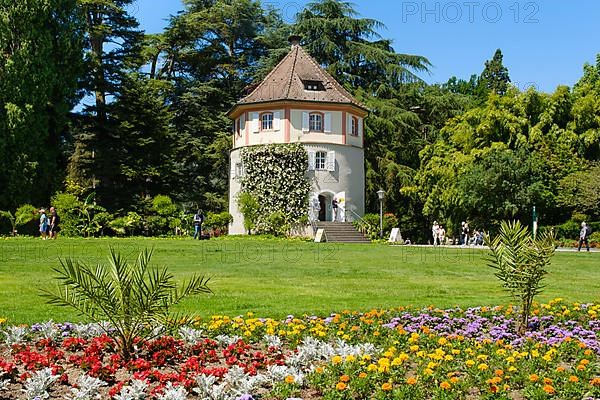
402 353
275 175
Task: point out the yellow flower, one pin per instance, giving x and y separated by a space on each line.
336 360
290 379
414 348
469 363
445 385
319 370
482 367
341 386
372 367
386 387
454 379
428 371
350 358
442 341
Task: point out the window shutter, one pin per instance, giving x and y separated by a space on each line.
312 160
360 126
331 161
327 123
305 122
276 120
255 123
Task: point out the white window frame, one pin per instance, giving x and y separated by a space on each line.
314 122
266 121
321 161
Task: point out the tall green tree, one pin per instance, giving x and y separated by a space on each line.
494 77
113 46
350 47
41 46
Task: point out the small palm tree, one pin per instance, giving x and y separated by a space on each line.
134 298
520 263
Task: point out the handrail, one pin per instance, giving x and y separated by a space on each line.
361 219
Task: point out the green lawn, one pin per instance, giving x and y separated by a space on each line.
275 278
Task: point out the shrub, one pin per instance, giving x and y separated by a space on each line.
218 222
135 298
277 225
68 207
249 208
24 214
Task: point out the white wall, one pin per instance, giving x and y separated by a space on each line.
348 177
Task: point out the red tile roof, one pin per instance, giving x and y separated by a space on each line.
287 82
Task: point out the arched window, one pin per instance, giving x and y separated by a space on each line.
354 128
315 122
266 121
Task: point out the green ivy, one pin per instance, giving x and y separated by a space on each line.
275 175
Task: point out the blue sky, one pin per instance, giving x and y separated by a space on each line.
545 43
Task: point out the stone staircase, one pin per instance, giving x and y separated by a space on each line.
341 232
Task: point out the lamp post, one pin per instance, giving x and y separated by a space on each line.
380 194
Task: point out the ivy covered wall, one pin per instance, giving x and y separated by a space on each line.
275 175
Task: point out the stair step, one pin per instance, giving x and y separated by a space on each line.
342 232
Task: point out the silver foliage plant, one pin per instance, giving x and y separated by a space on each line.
173 393
88 388
36 387
137 390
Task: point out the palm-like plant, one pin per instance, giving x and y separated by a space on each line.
520 263
134 298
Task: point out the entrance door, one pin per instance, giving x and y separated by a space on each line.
323 210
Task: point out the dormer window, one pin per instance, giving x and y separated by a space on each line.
314 86
266 121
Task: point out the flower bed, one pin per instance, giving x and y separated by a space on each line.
383 354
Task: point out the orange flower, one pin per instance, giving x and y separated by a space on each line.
560 369
386 387
549 389
411 381
573 379
534 378
341 386
344 378
499 372
585 361
547 381
362 375
290 379
580 367
493 388
445 385
595 382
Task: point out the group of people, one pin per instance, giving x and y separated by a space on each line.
439 235
49 225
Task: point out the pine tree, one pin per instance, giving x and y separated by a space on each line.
494 77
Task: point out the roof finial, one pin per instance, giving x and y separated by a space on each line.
295 40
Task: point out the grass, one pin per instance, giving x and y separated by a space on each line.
275 278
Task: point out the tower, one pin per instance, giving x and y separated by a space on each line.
299 102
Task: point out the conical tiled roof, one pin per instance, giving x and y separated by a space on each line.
287 82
